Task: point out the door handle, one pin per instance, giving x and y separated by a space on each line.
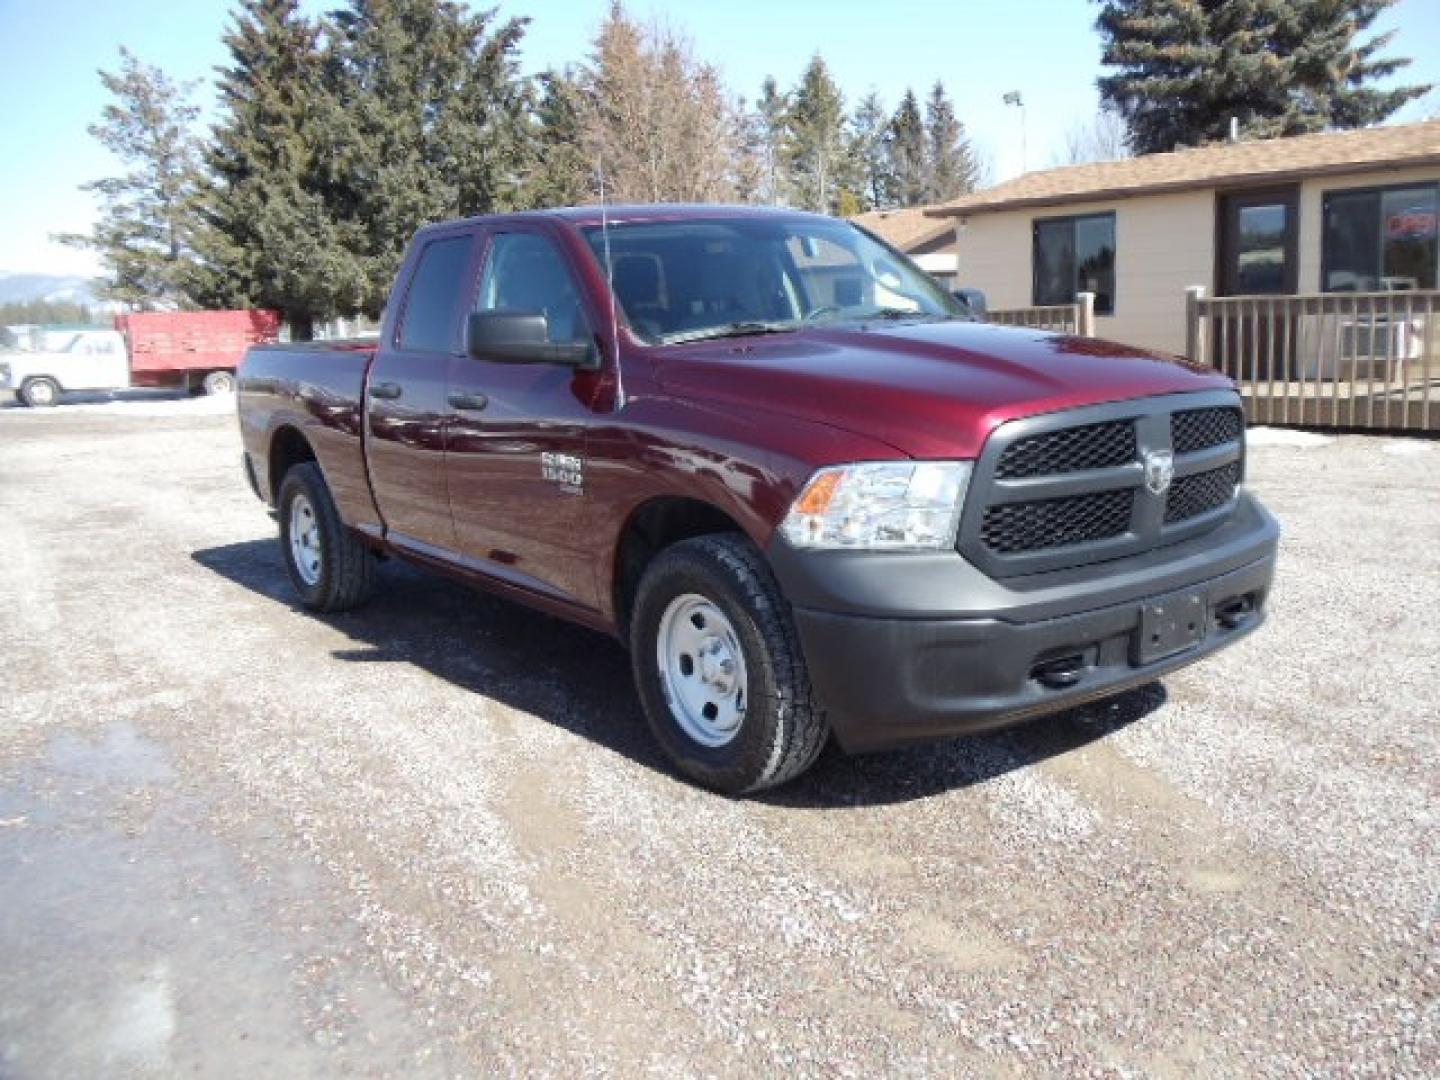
389 391
474 402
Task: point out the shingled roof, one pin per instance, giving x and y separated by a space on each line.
906 229
1209 166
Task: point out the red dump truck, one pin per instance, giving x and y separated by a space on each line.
196 349
812 495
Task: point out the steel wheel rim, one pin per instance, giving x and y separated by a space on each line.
304 540
702 670
42 393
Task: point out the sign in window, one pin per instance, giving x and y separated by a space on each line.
1381 239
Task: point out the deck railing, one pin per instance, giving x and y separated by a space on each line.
1077 318
1344 360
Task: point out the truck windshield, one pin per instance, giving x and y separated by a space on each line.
728 277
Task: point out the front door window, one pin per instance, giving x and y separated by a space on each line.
1260 259
1257 244
526 273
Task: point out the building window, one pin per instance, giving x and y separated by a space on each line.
1075 255
1380 239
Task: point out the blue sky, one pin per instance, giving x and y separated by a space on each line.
1047 49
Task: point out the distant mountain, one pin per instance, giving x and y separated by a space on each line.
19 288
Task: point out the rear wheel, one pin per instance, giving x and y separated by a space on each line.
719 668
219 382
328 565
40 393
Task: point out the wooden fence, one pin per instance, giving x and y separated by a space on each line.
1345 360
1077 318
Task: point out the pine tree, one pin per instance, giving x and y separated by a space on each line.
429 122
271 237
771 109
147 214
561 172
953 168
1330 67
1185 68
908 157
815 138
868 147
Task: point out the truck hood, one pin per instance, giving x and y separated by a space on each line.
931 390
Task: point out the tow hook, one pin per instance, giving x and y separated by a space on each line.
1234 612
1059 673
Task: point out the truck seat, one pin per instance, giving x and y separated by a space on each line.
638 286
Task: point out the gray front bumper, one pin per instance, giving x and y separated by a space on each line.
908 648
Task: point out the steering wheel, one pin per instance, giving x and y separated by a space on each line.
823 310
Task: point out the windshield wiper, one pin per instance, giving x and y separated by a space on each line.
891 313
727 330
885 314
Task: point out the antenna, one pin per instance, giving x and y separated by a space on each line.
610 282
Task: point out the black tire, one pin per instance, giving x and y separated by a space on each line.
346 567
40 393
782 731
218 382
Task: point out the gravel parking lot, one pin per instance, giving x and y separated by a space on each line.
433 837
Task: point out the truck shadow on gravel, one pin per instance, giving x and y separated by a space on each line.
580 680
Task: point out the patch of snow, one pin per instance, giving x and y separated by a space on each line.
134 403
1408 448
1304 440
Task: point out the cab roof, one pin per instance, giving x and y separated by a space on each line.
623 212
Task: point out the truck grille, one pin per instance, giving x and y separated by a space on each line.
1200 429
1030 526
1070 488
1094 446
1193 495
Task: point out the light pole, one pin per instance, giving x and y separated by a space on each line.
1013 98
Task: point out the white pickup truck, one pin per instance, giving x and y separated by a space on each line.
87 360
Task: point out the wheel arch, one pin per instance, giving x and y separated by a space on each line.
651 527
288 447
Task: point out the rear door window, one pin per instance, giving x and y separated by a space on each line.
432 308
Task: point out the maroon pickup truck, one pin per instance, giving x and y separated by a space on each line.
781 464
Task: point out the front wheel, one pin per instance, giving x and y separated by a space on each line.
40 393
719 667
328 565
219 382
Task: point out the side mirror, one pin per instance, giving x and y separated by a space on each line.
522 337
974 301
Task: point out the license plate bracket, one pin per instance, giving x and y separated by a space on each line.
1170 625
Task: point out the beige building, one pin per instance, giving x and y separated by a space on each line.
1340 212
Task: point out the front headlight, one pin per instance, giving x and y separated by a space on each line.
880 506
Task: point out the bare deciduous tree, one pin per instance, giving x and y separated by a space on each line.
658 120
1103 137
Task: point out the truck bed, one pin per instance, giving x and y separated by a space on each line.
318 389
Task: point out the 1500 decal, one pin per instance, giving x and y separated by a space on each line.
567 470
